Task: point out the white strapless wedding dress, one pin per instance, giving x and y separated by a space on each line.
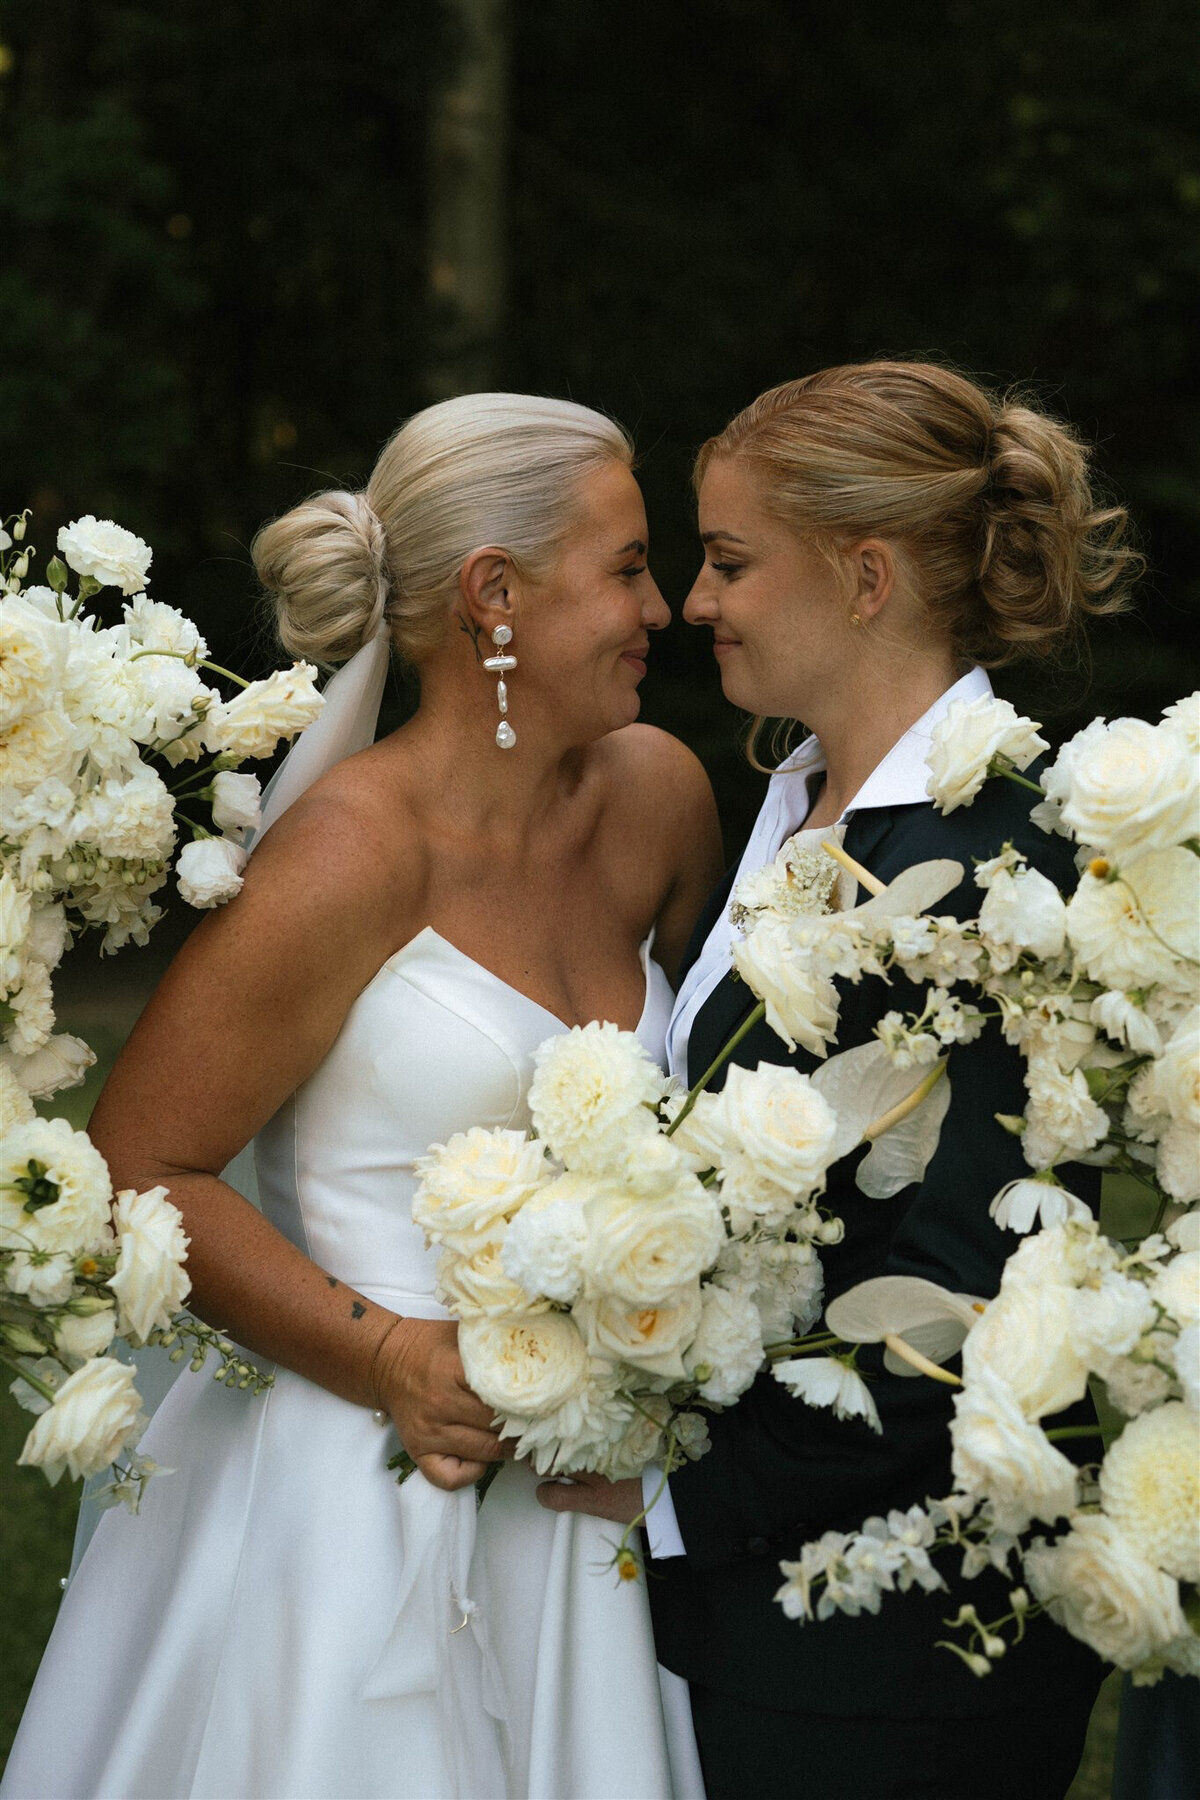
283 1620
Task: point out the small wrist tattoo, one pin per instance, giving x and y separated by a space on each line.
358 1310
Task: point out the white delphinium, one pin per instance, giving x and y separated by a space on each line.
1127 787
593 1088
1150 1488
471 1185
54 1189
829 1381
727 1351
1094 1583
999 1456
150 1282
909 1537
253 722
852 1570
976 738
107 553
96 1414
1034 1200
1138 926
209 871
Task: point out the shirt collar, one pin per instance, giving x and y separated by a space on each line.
901 778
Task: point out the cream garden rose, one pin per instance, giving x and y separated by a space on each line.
472 1184
1096 1585
96 1414
775 1134
641 1250
1000 1457
525 1366
209 871
968 740
1127 787
253 722
653 1338
802 1008
150 1282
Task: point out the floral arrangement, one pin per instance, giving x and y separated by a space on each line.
88 826
1100 993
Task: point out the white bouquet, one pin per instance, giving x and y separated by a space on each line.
95 722
1100 993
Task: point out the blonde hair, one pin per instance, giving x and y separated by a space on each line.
481 469
989 500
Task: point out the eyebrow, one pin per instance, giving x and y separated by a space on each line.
633 544
708 537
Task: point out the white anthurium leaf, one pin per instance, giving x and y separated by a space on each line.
932 1319
914 890
861 1085
903 1153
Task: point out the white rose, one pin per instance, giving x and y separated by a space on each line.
39 747
827 1381
1027 1336
31 1006
61 1062
79 1337
254 721
1061 1120
477 1287
653 1338
593 1087
526 1366
999 1456
209 871
1121 1018
1176 1288
236 801
1127 788
151 1283
1022 1204
1177 1073
641 1250
1186 1357
1185 714
472 1184
965 742
62 1202
802 1008
32 655
1141 925
96 1414
1150 1488
727 1350
544 1246
1094 1584
110 555
1023 913
776 1132
1110 1315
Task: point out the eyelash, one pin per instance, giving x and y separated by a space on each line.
724 568
640 570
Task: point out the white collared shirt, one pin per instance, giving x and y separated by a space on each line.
899 780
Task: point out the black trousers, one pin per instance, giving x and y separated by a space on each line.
750 1753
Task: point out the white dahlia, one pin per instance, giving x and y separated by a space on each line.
593 1087
1150 1488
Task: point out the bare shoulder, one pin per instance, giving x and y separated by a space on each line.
655 770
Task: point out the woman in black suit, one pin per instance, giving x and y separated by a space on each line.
875 536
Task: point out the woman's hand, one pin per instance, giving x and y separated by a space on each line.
418 1376
620 1501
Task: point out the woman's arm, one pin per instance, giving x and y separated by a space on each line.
248 1009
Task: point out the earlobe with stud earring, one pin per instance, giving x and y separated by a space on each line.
501 665
855 619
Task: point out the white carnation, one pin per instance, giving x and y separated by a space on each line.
544 1246
151 1283
254 721
16 1108
471 1185
1140 926
1127 788
209 871
593 1087
236 802
526 1366
1061 1120
63 1202
1022 914
1150 1488
1094 1583
132 819
999 1456
827 1381
96 1414
154 626
31 1006
1121 1018
965 742
110 555
1176 1288
727 1350
802 1008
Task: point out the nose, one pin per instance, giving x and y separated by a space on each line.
700 607
655 612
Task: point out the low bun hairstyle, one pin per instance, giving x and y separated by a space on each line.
481 469
989 500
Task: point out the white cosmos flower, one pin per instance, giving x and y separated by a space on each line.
827 1381
96 1414
964 743
472 1184
109 554
1000 1457
1150 1488
258 716
1095 1584
209 871
1026 1202
236 801
151 1283
593 1088
1141 925
525 1366
63 1203
727 1351
1127 788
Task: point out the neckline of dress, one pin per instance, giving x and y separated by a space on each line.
428 931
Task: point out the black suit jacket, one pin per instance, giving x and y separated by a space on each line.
780 1472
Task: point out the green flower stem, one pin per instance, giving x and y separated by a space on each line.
818 1340
38 1386
1035 787
202 663
1059 1433
722 1057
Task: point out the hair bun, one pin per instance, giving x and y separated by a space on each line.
325 565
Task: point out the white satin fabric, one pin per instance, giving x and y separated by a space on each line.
283 1619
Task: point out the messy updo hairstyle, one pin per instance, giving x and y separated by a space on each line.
989 501
499 469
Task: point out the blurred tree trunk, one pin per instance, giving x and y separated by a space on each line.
468 201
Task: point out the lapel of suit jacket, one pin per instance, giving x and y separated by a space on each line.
717 1021
865 832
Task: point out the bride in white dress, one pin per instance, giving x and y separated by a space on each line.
283 1620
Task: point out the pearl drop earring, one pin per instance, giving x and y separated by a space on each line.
500 665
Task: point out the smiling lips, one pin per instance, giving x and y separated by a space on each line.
720 644
636 658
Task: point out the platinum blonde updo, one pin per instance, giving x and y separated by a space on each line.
480 469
